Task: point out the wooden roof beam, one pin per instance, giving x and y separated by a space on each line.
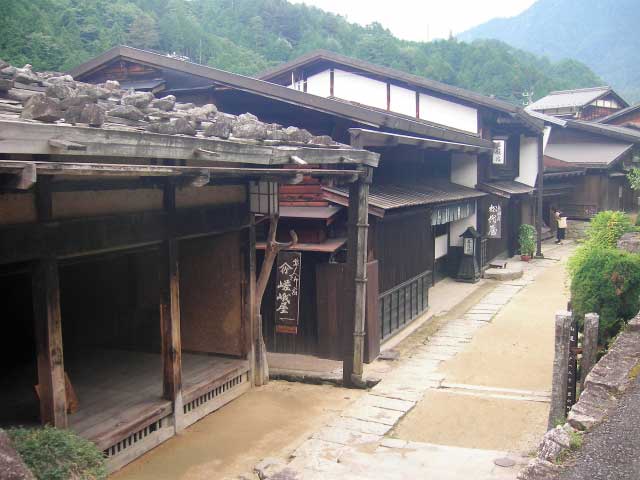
45 139
199 175
66 145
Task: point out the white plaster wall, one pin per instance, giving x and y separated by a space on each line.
403 101
545 137
441 247
448 113
357 88
458 227
464 169
528 160
319 84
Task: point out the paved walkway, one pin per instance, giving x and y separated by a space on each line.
611 451
360 443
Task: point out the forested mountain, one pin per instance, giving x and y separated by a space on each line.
603 34
247 36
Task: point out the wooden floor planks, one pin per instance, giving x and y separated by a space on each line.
117 388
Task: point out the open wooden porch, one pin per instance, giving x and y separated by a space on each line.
121 406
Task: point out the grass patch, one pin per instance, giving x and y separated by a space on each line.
558 422
54 454
635 371
575 441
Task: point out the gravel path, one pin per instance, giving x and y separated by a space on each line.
612 450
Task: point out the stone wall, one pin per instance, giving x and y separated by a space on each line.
630 242
576 229
604 385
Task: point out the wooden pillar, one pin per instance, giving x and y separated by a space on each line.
540 196
250 317
48 333
170 316
560 369
589 346
357 264
48 323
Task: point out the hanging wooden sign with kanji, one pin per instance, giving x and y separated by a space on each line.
288 266
494 221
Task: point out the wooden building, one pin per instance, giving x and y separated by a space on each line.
425 180
586 165
588 104
627 117
435 142
127 267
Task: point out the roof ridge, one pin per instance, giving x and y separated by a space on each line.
577 90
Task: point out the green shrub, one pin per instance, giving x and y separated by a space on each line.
604 231
54 454
527 239
607 227
606 281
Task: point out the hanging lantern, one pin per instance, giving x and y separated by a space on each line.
263 198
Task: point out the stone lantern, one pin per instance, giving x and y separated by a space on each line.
469 271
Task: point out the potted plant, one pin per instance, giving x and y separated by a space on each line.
527 241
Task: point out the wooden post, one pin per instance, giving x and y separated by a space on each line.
48 323
560 368
48 333
589 346
251 319
271 252
540 196
352 368
170 316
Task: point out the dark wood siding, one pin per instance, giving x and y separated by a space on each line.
306 340
403 248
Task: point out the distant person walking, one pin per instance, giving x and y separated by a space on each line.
561 221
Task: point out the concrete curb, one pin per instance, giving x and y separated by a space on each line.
604 385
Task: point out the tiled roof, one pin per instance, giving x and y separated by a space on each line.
570 98
393 196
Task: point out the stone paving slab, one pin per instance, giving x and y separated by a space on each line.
373 414
388 403
415 460
345 436
319 449
481 317
362 426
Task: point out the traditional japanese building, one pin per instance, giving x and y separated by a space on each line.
627 117
449 159
508 172
586 165
127 255
587 104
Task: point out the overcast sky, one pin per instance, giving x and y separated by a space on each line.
422 19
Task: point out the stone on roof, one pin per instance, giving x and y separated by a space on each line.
50 97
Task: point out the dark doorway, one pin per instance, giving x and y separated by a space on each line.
18 371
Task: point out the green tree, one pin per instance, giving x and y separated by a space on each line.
143 32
